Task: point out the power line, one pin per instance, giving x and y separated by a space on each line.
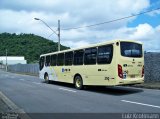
106 22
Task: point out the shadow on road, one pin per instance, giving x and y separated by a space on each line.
112 90
115 90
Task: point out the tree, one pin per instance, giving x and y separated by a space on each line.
28 45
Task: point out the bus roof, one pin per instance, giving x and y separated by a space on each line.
92 45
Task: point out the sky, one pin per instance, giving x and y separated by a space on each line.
17 16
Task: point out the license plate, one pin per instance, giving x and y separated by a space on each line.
124 75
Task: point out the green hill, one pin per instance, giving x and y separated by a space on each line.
29 45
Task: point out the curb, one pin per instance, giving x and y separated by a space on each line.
14 108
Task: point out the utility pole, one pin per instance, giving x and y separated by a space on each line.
6 61
59 36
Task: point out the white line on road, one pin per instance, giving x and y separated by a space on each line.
67 90
36 83
21 79
141 103
6 75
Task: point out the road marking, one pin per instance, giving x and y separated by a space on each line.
67 90
140 103
36 83
21 79
6 75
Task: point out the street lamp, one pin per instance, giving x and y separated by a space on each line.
58 34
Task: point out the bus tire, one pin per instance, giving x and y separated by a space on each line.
46 78
78 82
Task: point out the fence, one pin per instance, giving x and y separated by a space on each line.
24 68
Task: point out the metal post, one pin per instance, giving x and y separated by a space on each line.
6 61
59 35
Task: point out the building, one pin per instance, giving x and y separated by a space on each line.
11 60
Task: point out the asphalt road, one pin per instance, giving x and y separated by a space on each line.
33 96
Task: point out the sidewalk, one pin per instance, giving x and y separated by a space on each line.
4 107
149 85
8 110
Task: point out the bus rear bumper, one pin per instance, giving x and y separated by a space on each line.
130 81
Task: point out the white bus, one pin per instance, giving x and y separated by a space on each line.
118 62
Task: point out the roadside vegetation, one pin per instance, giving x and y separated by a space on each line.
28 45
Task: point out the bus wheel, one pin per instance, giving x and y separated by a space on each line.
78 82
46 78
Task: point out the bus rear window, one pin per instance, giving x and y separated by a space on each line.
129 49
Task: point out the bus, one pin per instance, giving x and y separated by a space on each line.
112 63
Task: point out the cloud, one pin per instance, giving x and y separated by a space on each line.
145 33
28 5
18 17
78 12
76 44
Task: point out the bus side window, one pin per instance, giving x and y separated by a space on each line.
105 54
60 59
48 59
53 60
41 63
90 56
68 58
78 57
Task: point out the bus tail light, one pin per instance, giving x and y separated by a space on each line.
120 72
143 71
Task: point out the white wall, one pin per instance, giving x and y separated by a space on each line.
13 60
